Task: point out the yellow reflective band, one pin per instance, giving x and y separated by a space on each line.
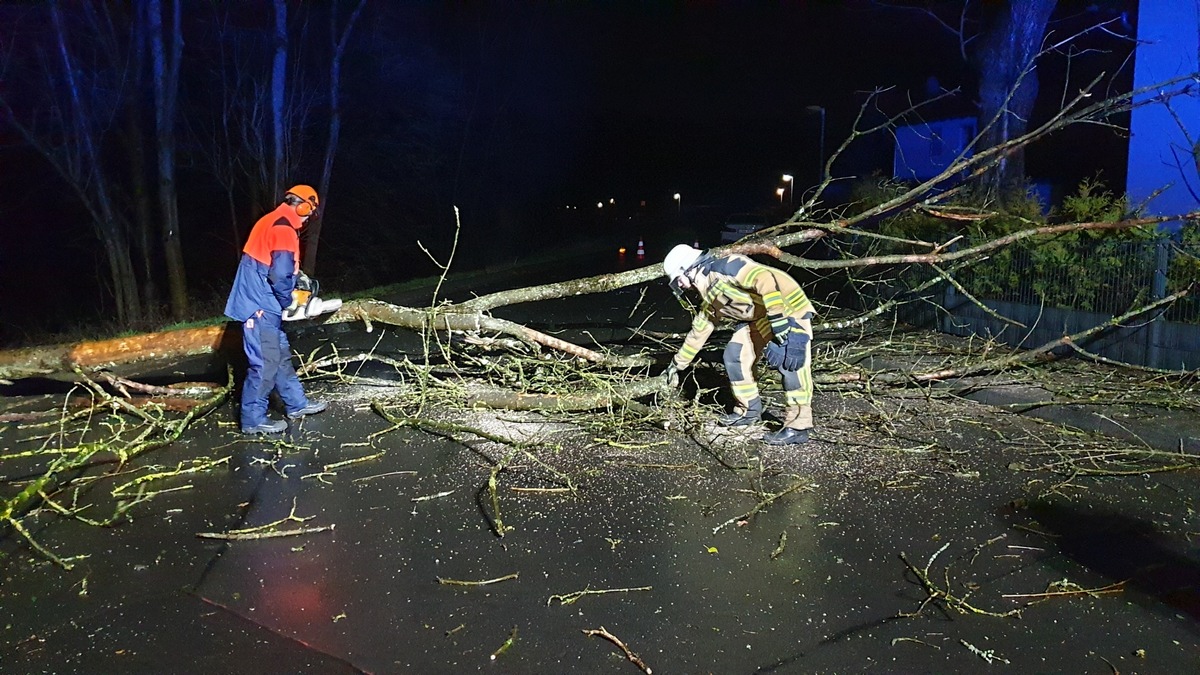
752 274
798 397
733 292
713 292
744 390
798 301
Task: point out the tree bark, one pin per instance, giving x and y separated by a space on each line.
1008 83
278 96
166 89
147 348
135 152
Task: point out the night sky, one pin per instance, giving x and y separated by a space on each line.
511 111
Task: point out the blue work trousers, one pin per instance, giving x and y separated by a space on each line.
270 367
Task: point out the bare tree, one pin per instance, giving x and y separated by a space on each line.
1003 43
134 145
338 44
69 132
232 135
1008 81
279 61
166 90
250 138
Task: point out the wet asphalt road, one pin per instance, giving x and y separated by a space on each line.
365 596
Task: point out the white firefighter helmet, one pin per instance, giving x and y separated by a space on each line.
679 260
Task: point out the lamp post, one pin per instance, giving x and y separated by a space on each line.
779 193
679 201
791 181
821 153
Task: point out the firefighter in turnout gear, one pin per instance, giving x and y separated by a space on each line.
773 320
261 294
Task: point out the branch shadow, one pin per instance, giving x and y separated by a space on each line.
1121 548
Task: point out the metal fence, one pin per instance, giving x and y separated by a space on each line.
1106 278
1055 288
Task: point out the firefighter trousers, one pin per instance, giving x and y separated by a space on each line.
743 351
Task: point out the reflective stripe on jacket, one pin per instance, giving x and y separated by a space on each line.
736 288
267 271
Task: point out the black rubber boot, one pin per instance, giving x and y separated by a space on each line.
736 419
753 415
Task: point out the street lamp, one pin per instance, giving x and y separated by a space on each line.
821 155
679 201
779 192
791 181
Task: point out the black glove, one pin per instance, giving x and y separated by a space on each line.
671 376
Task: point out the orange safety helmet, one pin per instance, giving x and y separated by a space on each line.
307 198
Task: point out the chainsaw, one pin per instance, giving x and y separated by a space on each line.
305 302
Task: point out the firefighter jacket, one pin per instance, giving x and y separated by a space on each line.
734 288
269 266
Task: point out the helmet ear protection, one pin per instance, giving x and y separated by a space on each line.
303 198
305 208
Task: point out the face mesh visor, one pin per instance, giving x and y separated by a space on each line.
681 295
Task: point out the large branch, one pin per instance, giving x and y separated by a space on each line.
97 354
999 242
149 348
460 318
575 401
1042 353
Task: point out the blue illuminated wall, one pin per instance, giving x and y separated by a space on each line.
925 150
1165 140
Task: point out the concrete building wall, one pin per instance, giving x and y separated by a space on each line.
1165 139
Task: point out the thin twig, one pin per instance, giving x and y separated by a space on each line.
264 535
572 598
633 658
486 582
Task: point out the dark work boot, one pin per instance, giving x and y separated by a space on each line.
312 408
752 415
737 419
786 436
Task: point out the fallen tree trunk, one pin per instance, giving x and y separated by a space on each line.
59 360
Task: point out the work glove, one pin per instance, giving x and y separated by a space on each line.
671 376
305 282
303 295
789 354
773 354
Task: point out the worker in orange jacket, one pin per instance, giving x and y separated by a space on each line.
262 291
